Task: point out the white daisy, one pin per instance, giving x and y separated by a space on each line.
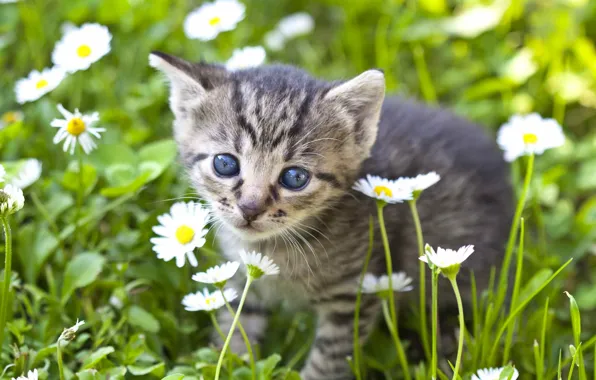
31 375
250 56
10 117
218 274
80 47
210 19
76 127
384 189
519 68
529 134
181 231
37 84
28 173
493 374
419 183
475 20
70 333
208 301
447 260
258 265
2 173
296 24
380 285
274 40
11 200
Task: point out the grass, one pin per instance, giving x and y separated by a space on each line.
81 244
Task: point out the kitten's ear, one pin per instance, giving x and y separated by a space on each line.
362 97
189 81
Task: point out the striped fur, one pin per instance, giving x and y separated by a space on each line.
274 117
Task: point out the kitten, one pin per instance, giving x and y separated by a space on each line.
275 152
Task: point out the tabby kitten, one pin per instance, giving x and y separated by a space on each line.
274 152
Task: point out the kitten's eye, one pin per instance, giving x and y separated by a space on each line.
226 165
294 178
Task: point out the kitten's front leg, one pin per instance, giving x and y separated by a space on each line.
334 336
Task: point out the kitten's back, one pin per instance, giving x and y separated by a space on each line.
471 204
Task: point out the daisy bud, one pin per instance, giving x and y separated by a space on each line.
258 265
69 334
11 200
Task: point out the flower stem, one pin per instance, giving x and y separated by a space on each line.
513 235
462 327
380 205
59 359
7 277
516 286
356 338
251 356
80 195
232 328
398 346
422 271
216 326
434 318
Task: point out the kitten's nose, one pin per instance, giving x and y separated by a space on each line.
251 210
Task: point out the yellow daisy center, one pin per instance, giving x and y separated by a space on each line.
10 117
83 51
530 138
379 190
75 126
209 301
214 21
185 234
41 84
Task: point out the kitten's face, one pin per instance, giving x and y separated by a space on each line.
270 148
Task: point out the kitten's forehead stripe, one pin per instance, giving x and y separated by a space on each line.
302 111
237 100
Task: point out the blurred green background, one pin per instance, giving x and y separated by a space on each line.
486 61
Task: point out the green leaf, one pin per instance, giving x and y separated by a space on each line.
72 179
88 374
107 155
40 243
585 220
120 174
80 272
575 318
174 376
586 180
114 373
129 188
141 318
534 284
265 367
134 348
156 369
161 152
97 356
207 355
506 373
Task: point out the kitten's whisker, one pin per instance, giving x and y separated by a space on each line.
301 250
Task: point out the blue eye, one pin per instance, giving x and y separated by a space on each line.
226 165
294 178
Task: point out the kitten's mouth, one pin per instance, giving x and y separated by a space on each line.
248 227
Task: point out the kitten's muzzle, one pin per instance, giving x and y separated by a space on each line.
251 210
